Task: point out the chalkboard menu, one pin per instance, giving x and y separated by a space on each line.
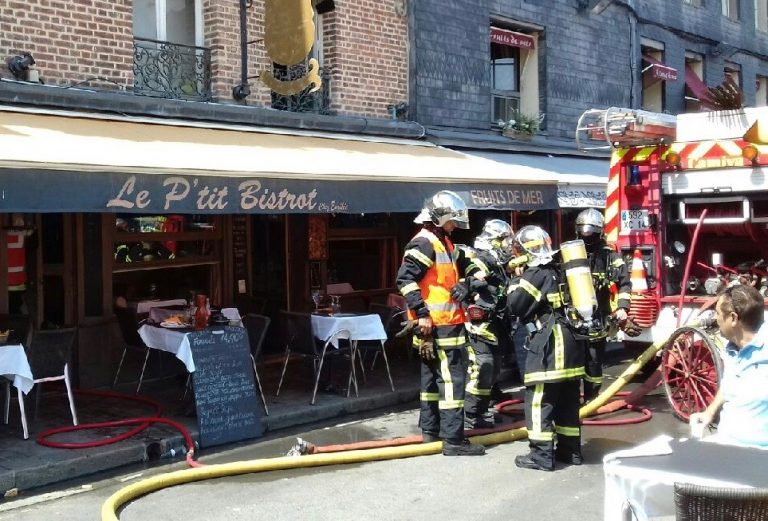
225 392
240 251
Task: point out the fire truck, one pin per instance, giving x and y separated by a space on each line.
688 198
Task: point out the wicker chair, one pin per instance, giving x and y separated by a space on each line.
700 503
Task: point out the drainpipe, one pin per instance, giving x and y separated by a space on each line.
242 91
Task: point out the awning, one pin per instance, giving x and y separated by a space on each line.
512 38
582 182
697 87
77 162
659 70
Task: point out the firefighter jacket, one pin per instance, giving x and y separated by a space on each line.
554 353
425 278
610 275
483 265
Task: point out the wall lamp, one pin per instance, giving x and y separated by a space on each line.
19 65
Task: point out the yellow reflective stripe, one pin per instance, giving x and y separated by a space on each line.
530 289
593 379
536 399
429 397
450 404
511 288
411 286
446 374
557 332
555 300
446 306
625 296
479 392
473 370
480 265
568 431
554 375
481 330
618 262
418 256
450 341
541 436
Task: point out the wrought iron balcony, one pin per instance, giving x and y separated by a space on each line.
170 70
317 102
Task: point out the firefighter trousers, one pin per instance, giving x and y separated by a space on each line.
442 394
480 378
552 420
593 365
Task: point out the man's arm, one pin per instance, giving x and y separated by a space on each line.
525 297
417 260
709 413
622 280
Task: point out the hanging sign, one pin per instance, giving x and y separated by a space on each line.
512 39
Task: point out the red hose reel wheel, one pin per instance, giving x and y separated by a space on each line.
644 309
691 371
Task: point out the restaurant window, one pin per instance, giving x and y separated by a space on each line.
653 98
731 9
514 73
761 91
732 71
694 65
761 15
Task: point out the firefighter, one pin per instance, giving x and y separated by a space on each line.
425 278
610 275
483 290
554 364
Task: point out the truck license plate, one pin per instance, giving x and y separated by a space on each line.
634 220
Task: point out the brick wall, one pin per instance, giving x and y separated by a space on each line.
72 41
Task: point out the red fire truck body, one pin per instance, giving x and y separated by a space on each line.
665 172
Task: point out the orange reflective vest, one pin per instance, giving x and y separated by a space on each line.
436 284
17 276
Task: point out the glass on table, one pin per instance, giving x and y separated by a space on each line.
317 298
335 304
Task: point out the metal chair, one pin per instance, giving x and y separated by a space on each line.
50 356
128 323
701 503
257 326
301 341
388 316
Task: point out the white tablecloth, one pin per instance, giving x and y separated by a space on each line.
361 327
170 340
143 306
640 482
15 366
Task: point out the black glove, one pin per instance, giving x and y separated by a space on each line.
460 291
630 328
407 328
426 350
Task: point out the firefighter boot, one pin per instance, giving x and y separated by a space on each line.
463 449
568 458
428 437
527 462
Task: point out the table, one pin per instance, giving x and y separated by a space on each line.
159 313
170 340
15 367
144 306
639 482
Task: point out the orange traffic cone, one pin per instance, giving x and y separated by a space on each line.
637 275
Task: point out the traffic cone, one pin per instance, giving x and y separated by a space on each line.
637 275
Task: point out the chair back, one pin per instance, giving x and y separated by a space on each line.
298 332
339 288
257 326
20 327
49 350
700 503
248 304
128 323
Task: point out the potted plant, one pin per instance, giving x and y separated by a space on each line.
521 125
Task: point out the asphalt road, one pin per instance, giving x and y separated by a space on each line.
427 487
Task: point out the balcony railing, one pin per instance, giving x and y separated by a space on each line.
317 102
170 70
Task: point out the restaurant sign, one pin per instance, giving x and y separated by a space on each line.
57 191
512 38
662 72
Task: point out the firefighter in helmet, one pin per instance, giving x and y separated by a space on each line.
612 289
483 292
554 364
425 278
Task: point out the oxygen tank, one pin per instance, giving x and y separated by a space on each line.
579 278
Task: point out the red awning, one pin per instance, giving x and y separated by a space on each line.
660 71
512 39
697 87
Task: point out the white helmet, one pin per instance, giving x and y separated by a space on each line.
537 243
443 207
590 221
496 238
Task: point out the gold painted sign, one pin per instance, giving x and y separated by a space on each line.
288 37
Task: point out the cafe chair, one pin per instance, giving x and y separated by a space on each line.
701 503
256 326
22 411
233 314
339 288
128 324
50 356
333 342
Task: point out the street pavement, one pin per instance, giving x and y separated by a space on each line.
426 487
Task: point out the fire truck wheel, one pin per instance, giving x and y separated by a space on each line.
691 370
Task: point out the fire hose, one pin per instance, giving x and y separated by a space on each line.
358 454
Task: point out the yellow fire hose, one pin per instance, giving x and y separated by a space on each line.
153 484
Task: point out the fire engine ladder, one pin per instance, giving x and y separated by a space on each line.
602 129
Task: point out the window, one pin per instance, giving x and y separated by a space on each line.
694 66
732 71
514 73
731 9
761 15
761 92
173 21
653 87
695 3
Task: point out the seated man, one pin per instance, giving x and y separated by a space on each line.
743 393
